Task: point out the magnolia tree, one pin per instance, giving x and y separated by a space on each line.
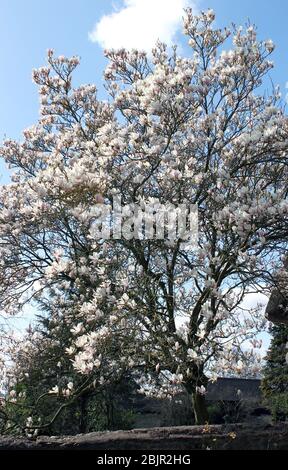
44 392
176 131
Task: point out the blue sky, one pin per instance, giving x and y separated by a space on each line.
29 27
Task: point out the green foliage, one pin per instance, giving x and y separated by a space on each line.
106 412
278 405
275 381
89 413
222 412
215 413
47 366
177 411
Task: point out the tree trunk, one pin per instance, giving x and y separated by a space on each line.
83 414
110 412
198 400
200 409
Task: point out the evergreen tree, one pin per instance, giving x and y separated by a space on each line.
275 380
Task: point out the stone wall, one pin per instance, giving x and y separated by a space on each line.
232 437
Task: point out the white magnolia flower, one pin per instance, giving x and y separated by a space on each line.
70 351
210 15
192 354
70 386
201 334
213 378
29 421
77 329
201 390
131 363
113 319
54 390
239 366
81 341
97 363
177 346
269 44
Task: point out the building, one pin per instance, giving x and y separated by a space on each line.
228 399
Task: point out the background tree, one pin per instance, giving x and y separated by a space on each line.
275 381
39 361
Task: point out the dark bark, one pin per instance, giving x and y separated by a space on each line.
110 411
83 414
198 401
200 409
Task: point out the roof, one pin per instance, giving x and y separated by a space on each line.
227 389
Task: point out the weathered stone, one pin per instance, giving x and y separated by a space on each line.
230 437
277 308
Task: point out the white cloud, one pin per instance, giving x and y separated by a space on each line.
253 299
140 23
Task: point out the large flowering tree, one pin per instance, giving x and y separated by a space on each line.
175 130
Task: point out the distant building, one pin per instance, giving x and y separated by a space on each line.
231 389
229 394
